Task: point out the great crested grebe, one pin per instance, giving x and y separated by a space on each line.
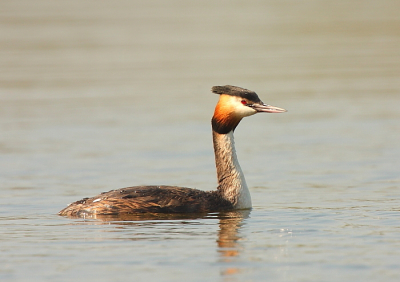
232 193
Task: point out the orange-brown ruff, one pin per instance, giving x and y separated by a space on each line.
232 192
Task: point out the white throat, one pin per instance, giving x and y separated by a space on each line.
231 182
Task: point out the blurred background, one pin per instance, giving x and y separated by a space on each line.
124 48
98 95
92 76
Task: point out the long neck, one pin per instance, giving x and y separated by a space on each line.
231 183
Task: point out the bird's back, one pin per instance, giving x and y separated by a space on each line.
149 199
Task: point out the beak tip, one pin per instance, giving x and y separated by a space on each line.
273 109
264 108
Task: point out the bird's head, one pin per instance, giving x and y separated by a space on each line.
234 104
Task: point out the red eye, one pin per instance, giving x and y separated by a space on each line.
244 102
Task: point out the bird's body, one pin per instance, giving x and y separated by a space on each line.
232 192
152 199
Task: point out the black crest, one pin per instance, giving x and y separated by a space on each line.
236 91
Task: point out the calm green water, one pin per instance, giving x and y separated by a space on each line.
102 95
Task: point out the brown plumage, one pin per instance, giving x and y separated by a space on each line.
152 199
232 193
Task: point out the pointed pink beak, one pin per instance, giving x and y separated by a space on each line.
267 108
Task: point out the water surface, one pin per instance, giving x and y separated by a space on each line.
103 95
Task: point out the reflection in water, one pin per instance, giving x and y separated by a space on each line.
228 238
126 218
